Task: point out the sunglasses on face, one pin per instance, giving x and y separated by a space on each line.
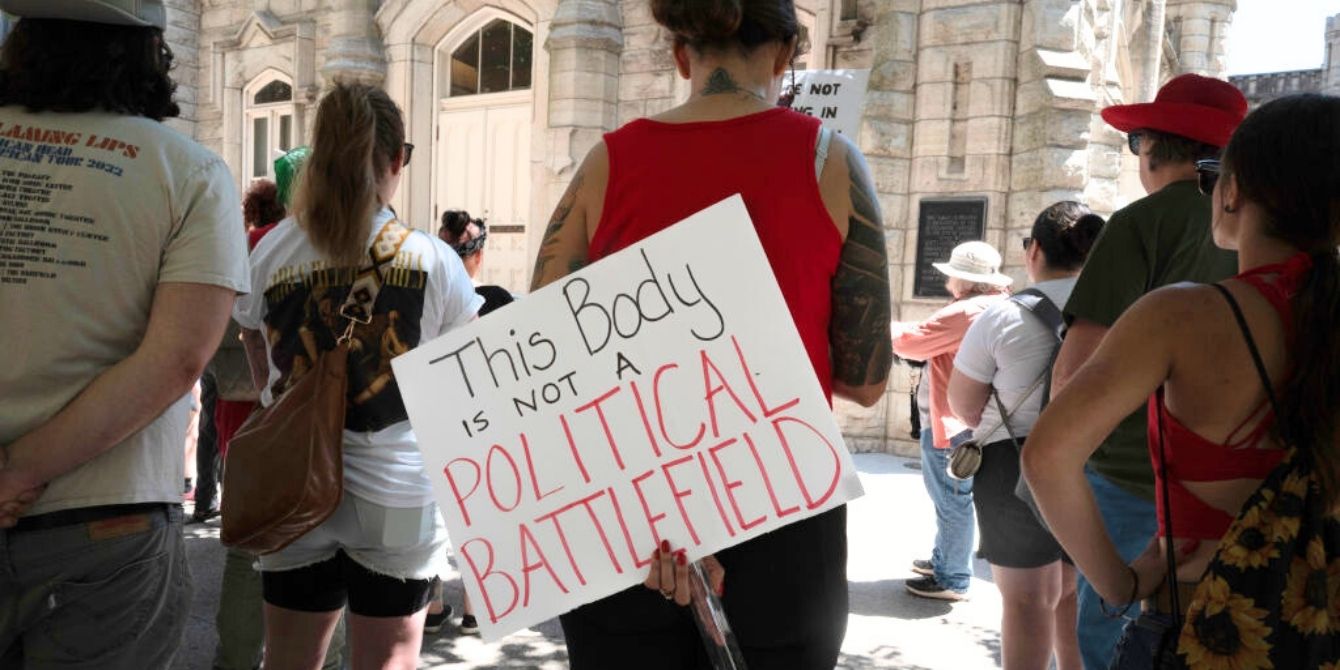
409 152
1028 242
1207 175
1133 142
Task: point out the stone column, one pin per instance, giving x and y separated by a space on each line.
584 43
886 140
1200 29
355 50
1330 69
183 36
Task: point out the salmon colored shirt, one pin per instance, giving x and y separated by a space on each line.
935 341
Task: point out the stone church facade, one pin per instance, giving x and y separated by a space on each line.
994 101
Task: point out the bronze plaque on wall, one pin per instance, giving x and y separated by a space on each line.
944 223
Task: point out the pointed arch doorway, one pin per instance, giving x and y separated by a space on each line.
482 139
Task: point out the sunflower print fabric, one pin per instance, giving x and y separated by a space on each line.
1271 597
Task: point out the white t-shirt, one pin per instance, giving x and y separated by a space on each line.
1008 347
97 210
426 293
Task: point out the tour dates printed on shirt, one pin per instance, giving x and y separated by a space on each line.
37 166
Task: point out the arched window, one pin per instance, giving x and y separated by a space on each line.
269 131
496 59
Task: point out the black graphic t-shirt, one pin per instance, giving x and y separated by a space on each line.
425 292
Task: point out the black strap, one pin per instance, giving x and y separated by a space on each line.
1163 454
1251 346
1037 303
1171 551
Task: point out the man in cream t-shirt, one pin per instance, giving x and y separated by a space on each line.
121 253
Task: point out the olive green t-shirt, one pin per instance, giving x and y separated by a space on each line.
1158 240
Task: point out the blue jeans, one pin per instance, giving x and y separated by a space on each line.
1139 645
1131 522
955 520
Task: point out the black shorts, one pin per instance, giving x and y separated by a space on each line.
1011 537
328 585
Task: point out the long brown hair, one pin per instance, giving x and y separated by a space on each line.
357 135
1285 158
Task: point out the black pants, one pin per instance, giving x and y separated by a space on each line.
785 598
207 448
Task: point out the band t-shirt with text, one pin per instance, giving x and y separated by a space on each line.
425 292
96 211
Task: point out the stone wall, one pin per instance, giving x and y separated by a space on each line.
996 99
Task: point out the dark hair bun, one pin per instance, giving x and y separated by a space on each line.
699 21
1081 236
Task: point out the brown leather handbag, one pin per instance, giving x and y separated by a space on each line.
285 469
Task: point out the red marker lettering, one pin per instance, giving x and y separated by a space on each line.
604 423
530 467
481 578
753 386
527 567
767 481
516 478
456 491
810 501
730 485
709 392
660 411
680 495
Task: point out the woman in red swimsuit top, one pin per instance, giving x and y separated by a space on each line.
1181 350
785 593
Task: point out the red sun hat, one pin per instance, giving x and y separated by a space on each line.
1198 108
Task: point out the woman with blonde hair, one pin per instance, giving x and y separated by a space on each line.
379 551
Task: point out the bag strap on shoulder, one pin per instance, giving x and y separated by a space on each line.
363 293
1251 347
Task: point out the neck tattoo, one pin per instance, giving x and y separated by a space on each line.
720 82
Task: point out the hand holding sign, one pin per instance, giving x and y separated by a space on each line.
650 397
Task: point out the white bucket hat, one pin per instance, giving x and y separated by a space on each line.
976 262
115 12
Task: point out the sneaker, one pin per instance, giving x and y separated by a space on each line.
468 625
927 587
923 567
433 624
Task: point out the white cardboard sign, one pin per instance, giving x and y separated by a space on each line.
836 97
662 392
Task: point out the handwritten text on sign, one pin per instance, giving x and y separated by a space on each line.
836 97
661 393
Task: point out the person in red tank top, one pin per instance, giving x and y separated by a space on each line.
1232 373
785 593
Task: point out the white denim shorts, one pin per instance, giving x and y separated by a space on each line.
400 542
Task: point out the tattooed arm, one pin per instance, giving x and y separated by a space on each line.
859 330
568 234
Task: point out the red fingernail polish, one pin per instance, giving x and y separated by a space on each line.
656 555
665 546
682 560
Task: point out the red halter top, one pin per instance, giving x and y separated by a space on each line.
1191 457
660 173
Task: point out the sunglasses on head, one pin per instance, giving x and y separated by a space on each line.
1133 142
1207 175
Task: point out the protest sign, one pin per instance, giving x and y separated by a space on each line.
837 97
661 393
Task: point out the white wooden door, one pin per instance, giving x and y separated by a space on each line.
484 168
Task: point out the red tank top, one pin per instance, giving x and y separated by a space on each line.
1192 458
661 173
